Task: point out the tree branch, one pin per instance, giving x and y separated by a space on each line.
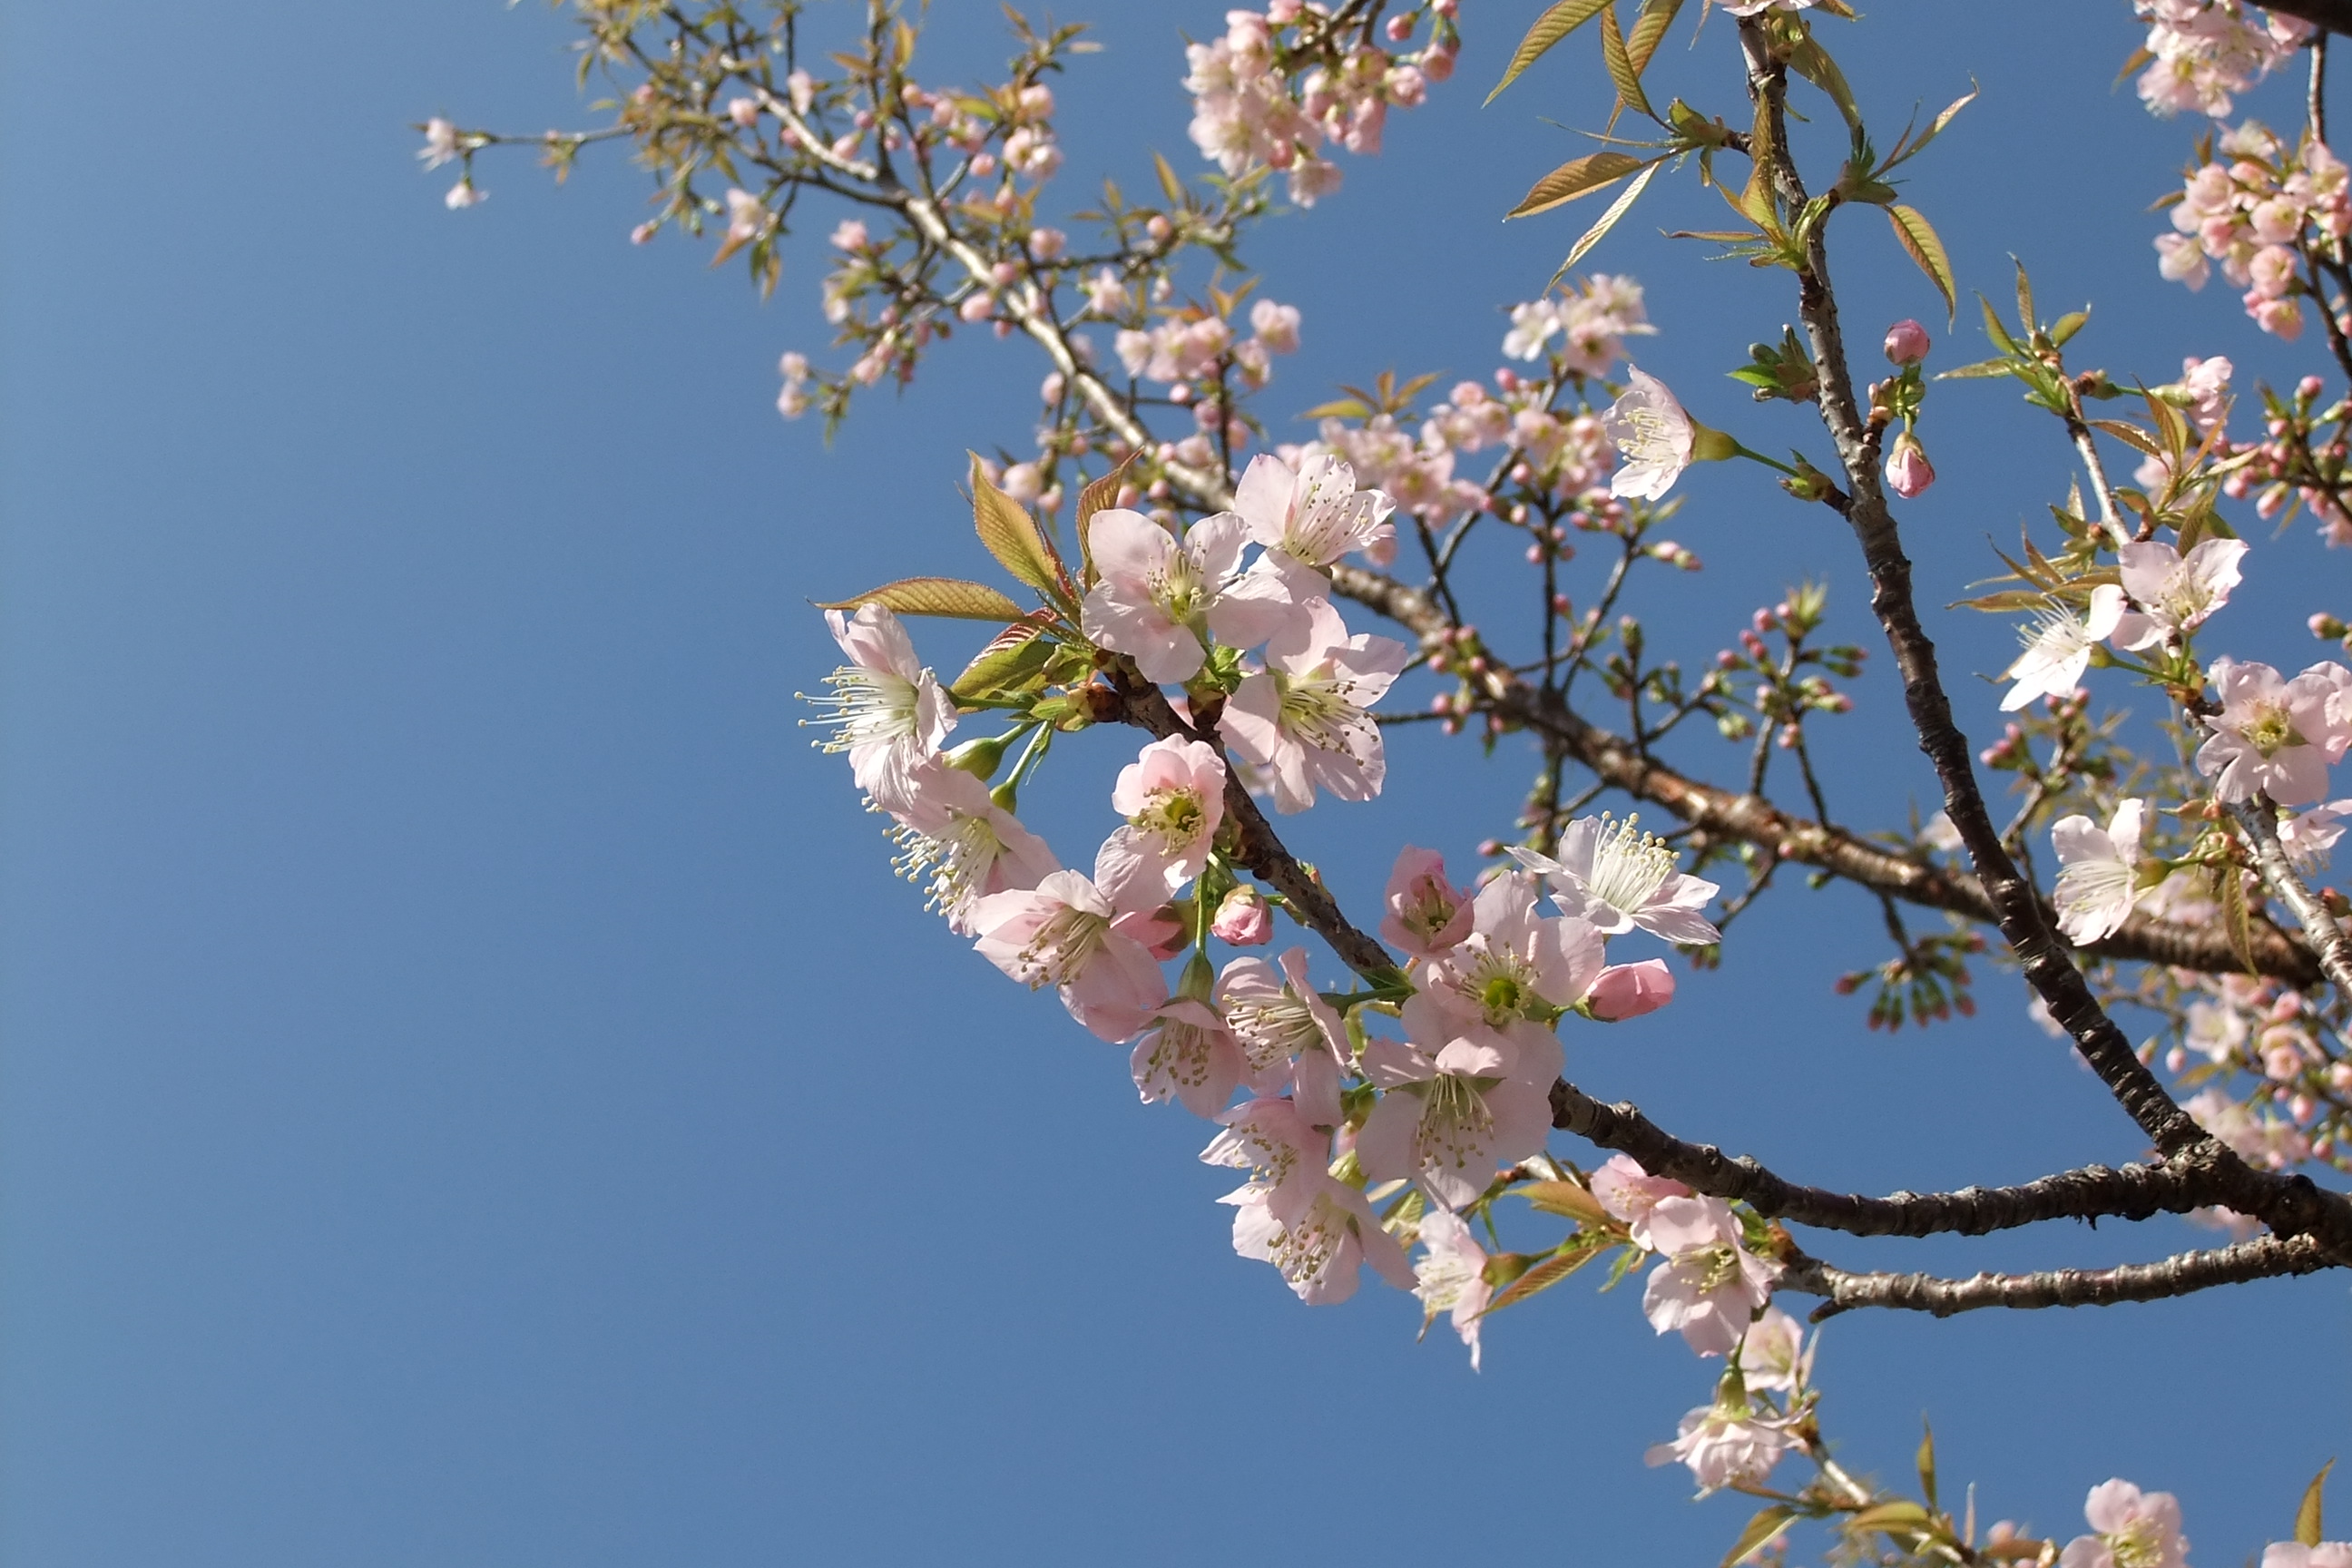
2265 1258
2326 936
2335 16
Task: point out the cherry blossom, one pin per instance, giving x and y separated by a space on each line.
1448 1118
2307 836
2204 50
1269 1138
1451 1277
1592 320
1650 428
2319 1554
1626 990
2058 647
1908 472
1065 932
1630 1193
1303 715
2098 872
1173 798
1314 514
1773 1355
958 840
2133 1530
442 144
1514 965
1426 914
1619 877
1724 1448
1321 1247
2273 736
1907 343
1710 1285
2175 593
1158 597
887 711
1244 917
1275 1015
1188 1056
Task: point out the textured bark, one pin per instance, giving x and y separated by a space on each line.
2265 1258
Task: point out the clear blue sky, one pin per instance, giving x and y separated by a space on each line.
471 1092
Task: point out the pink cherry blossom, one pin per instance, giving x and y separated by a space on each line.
442 144
1272 1140
1303 717
1629 990
1618 877
1451 1277
2273 735
1514 965
887 711
956 840
2098 872
1159 599
1449 1117
1426 913
2175 593
1173 798
1630 1194
1244 917
1724 1448
1315 514
1773 1355
2134 1530
2058 647
2308 836
1907 341
1908 472
1321 1248
1276 1014
1065 933
1188 1056
2319 1554
1710 1285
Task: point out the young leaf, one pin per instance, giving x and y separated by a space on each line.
2306 1517
1013 660
1172 186
1761 1531
947 597
1977 372
2237 920
1009 533
1098 495
1813 63
1919 237
1550 28
1608 220
1928 1463
1542 1277
1894 1518
1563 1198
1577 177
1649 29
1621 66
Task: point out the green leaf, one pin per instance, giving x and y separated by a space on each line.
1919 237
1994 329
1340 409
2129 435
1935 128
1760 1532
1649 29
1563 1198
2237 920
949 597
2067 325
2306 1517
1621 66
1550 28
1813 63
1894 1518
1170 184
2025 316
1013 660
1608 220
1928 1463
1977 372
1577 177
1542 1277
1011 534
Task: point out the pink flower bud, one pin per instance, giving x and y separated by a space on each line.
1244 919
1158 228
977 306
1629 990
2309 388
1908 472
643 234
743 112
1437 64
1400 29
1907 341
983 166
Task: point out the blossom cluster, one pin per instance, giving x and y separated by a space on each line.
1282 88
2253 212
2198 52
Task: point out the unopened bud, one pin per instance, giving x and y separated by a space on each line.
1244 919
1908 472
1907 341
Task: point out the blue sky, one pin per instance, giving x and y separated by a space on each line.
471 1092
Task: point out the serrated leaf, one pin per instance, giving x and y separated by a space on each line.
1013 660
2130 435
1918 238
1894 1518
2025 316
1934 127
1011 533
950 597
1813 63
1608 220
1542 1277
1563 1198
1994 329
1620 67
1577 177
2307 1527
1977 372
1759 1532
1096 496
2171 428
2007 600
1554 25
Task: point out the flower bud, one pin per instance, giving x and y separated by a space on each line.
1244 919
1907 341
1629 990
1908 472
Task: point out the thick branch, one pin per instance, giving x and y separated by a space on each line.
2018 904
2268 1257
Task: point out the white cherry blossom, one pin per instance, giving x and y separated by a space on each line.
1618 877
2098 872
2058 647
